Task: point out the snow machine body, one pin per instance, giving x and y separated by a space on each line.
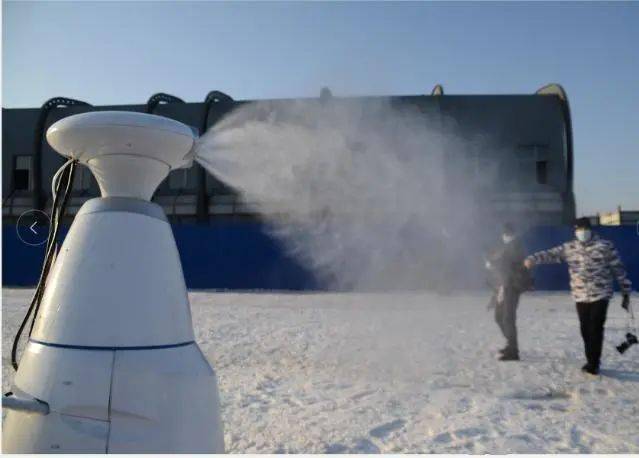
112 364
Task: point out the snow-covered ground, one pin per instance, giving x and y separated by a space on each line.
409 372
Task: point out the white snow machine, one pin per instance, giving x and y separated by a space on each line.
111 364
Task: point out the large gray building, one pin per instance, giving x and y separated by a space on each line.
526 172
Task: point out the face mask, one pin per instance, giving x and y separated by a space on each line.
583 235
507 238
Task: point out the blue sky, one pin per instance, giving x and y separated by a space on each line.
122 52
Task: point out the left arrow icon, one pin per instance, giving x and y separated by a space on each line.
32 227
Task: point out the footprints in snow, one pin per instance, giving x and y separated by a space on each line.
362 394
384 430
372 444
538 395
460 434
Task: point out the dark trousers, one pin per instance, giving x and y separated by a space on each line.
506 317
592 317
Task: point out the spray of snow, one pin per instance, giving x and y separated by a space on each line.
367 193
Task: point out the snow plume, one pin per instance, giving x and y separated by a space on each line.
367 193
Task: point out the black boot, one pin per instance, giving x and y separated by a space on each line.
590 369
509 355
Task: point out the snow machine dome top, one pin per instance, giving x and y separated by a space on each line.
129 153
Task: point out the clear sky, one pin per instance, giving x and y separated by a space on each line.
123 52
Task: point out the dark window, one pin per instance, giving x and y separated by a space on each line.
22 173
179 179
21 180
542 172
534 157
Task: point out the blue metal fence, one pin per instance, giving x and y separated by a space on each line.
241 256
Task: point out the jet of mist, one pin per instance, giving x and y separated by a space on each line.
357 190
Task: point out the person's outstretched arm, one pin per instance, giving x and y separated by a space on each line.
554 255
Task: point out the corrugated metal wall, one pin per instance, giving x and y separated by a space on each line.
510 137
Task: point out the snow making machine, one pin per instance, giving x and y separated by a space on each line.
111 364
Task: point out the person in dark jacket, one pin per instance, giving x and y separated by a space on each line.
592 263
510 279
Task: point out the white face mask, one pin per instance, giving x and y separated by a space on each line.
583 235
507 238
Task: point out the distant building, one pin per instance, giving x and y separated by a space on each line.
619 217
525 174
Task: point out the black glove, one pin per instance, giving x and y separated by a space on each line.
625 302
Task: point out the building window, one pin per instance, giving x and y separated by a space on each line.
533 163
542 172
23 173
179 179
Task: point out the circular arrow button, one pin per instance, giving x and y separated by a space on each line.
33 227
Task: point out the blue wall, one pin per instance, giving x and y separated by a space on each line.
231 255
239 255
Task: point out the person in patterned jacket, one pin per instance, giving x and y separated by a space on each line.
592 263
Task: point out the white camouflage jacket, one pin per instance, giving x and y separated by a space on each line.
592 266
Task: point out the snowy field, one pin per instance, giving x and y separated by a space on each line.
410 372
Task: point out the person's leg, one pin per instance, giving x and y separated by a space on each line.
598 313
499 313
511 299
583 310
